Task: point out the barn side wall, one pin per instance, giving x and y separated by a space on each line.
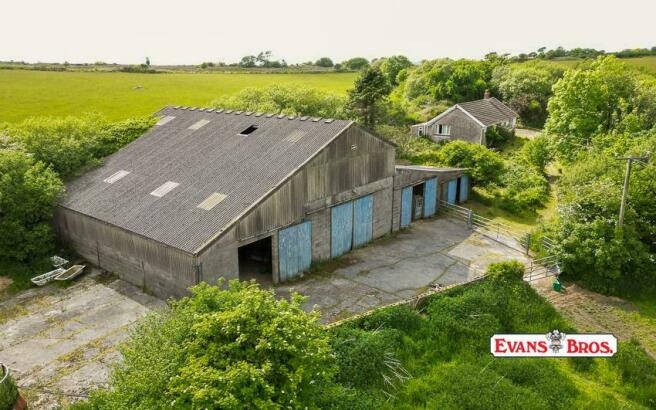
158 268
355 164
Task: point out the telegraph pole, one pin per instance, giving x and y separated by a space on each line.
629 161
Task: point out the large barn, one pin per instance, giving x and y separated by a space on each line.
218 193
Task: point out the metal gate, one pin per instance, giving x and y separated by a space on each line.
453 187
406 206
363 219
294 250
464 188
430 197
341 229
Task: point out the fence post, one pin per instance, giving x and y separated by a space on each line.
469 219
528 243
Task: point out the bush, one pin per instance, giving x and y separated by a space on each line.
536 152
233 348
401 317
605 259
498 136
513 270
525 188
486 167
72 144
28 193
363 356
8 391
285 99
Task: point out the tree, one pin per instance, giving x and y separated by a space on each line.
147 62
355 63
324 62
588 101
454 81
392 66
526 88
486 167
235 348
364 99
28 193
248 61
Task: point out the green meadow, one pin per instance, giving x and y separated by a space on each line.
118 96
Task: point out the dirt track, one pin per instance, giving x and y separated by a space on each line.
592 312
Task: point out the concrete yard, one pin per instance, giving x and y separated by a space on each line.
439 251
59 342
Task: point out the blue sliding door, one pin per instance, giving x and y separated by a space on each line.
341 229
430 197
294 250
453 187
363 219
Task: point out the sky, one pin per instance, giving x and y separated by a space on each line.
190 32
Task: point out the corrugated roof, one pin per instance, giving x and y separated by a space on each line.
488 111
212 159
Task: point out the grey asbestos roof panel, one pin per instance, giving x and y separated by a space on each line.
488 111
211 159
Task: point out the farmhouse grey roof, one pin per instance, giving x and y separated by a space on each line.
195 173
488 111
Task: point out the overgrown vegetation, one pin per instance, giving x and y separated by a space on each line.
36 156
242 348
599 113
285 99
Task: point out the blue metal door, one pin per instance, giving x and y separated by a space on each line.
341 229
464 188
453 187
430 197
363 220
406 206
294 250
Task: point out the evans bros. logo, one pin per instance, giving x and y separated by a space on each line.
553 344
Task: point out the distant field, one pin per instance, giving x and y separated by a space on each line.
644 64
35 93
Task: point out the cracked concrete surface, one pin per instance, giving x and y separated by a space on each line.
62 343
437 251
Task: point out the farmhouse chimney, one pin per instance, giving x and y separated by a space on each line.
487 94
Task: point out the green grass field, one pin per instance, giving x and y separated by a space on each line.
645 64
25 94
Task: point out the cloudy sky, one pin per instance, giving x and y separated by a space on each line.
189 32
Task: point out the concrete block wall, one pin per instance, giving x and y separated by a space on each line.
396 210
382 224
320 234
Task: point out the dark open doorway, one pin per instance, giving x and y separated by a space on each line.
417 201
458 190
255 262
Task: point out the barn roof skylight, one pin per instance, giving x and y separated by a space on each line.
165 120
212 201
164 189
198 124
116 176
